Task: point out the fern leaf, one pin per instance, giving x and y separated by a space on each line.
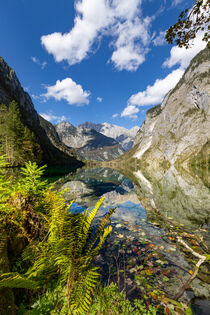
15 280
92 215
84 289
99 230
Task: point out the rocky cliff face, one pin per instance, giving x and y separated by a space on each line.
54 152
122 135
88 143
179 129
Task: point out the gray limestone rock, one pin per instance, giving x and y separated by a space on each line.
179 129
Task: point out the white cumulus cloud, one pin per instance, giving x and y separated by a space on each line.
160 39
130 111
155 93
50 116
34 59
182 56
120 19
67 90
99 99
91 17
38 62
35 97
176 2
130 46
115 115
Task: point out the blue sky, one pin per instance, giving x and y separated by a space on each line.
94 60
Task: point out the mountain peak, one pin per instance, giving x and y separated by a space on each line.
65 124
122 135
88 143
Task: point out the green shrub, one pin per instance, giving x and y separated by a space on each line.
61 245
109 301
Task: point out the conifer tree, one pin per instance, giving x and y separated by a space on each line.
15 129
17 142
31 150
3 134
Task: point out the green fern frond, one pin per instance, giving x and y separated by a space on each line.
85 228
15 280
103 222
3 161
106 219
30 251
58 214
99 245
82 295
91 215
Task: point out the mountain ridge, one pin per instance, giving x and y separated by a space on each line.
125 137
88 143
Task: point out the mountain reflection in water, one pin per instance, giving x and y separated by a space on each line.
138 222
181 196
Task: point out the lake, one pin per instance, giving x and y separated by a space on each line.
139 256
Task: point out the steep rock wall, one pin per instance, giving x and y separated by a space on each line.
179 129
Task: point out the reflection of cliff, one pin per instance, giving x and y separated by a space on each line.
177 194
116 198
88 184
174 193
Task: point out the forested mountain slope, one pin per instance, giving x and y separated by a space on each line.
45 145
